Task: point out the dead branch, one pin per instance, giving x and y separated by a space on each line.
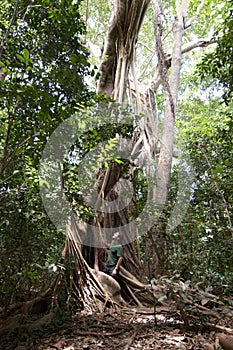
191 20
98 334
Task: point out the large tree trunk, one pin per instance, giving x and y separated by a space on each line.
119 47
117 63
119 56
119 52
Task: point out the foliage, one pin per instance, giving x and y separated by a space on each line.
43 67
95 151
217 65
201 247
43 74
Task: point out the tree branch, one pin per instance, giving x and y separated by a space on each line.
196 44
191 46
194 18
156 81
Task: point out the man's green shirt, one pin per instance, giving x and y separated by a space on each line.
115 252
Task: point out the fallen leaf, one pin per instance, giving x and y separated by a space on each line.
59 345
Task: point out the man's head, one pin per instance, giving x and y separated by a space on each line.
116 236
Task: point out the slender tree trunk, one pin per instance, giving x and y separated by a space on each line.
167 139
156 244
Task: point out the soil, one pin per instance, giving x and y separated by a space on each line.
123 329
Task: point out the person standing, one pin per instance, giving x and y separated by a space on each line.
115 256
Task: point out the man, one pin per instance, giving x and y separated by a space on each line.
111 268
115 256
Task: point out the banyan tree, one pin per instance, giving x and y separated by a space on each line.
143 163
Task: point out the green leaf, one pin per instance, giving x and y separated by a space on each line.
26 54
20 57
162 298
119 161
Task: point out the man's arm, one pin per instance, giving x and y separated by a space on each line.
119 261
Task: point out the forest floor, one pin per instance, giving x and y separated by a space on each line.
123 329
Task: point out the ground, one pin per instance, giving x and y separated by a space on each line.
123 329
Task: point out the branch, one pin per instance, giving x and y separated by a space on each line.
156 81
149 49
130 341
147 65
196 44
219 328
191 46
194 18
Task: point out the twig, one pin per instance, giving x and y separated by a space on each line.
143 44
130 341
219 328
132 318
98 334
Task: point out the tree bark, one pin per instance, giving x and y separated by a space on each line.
118 53
167 139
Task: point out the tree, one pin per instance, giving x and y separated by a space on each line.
115 80
207 136
205 236
41 79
